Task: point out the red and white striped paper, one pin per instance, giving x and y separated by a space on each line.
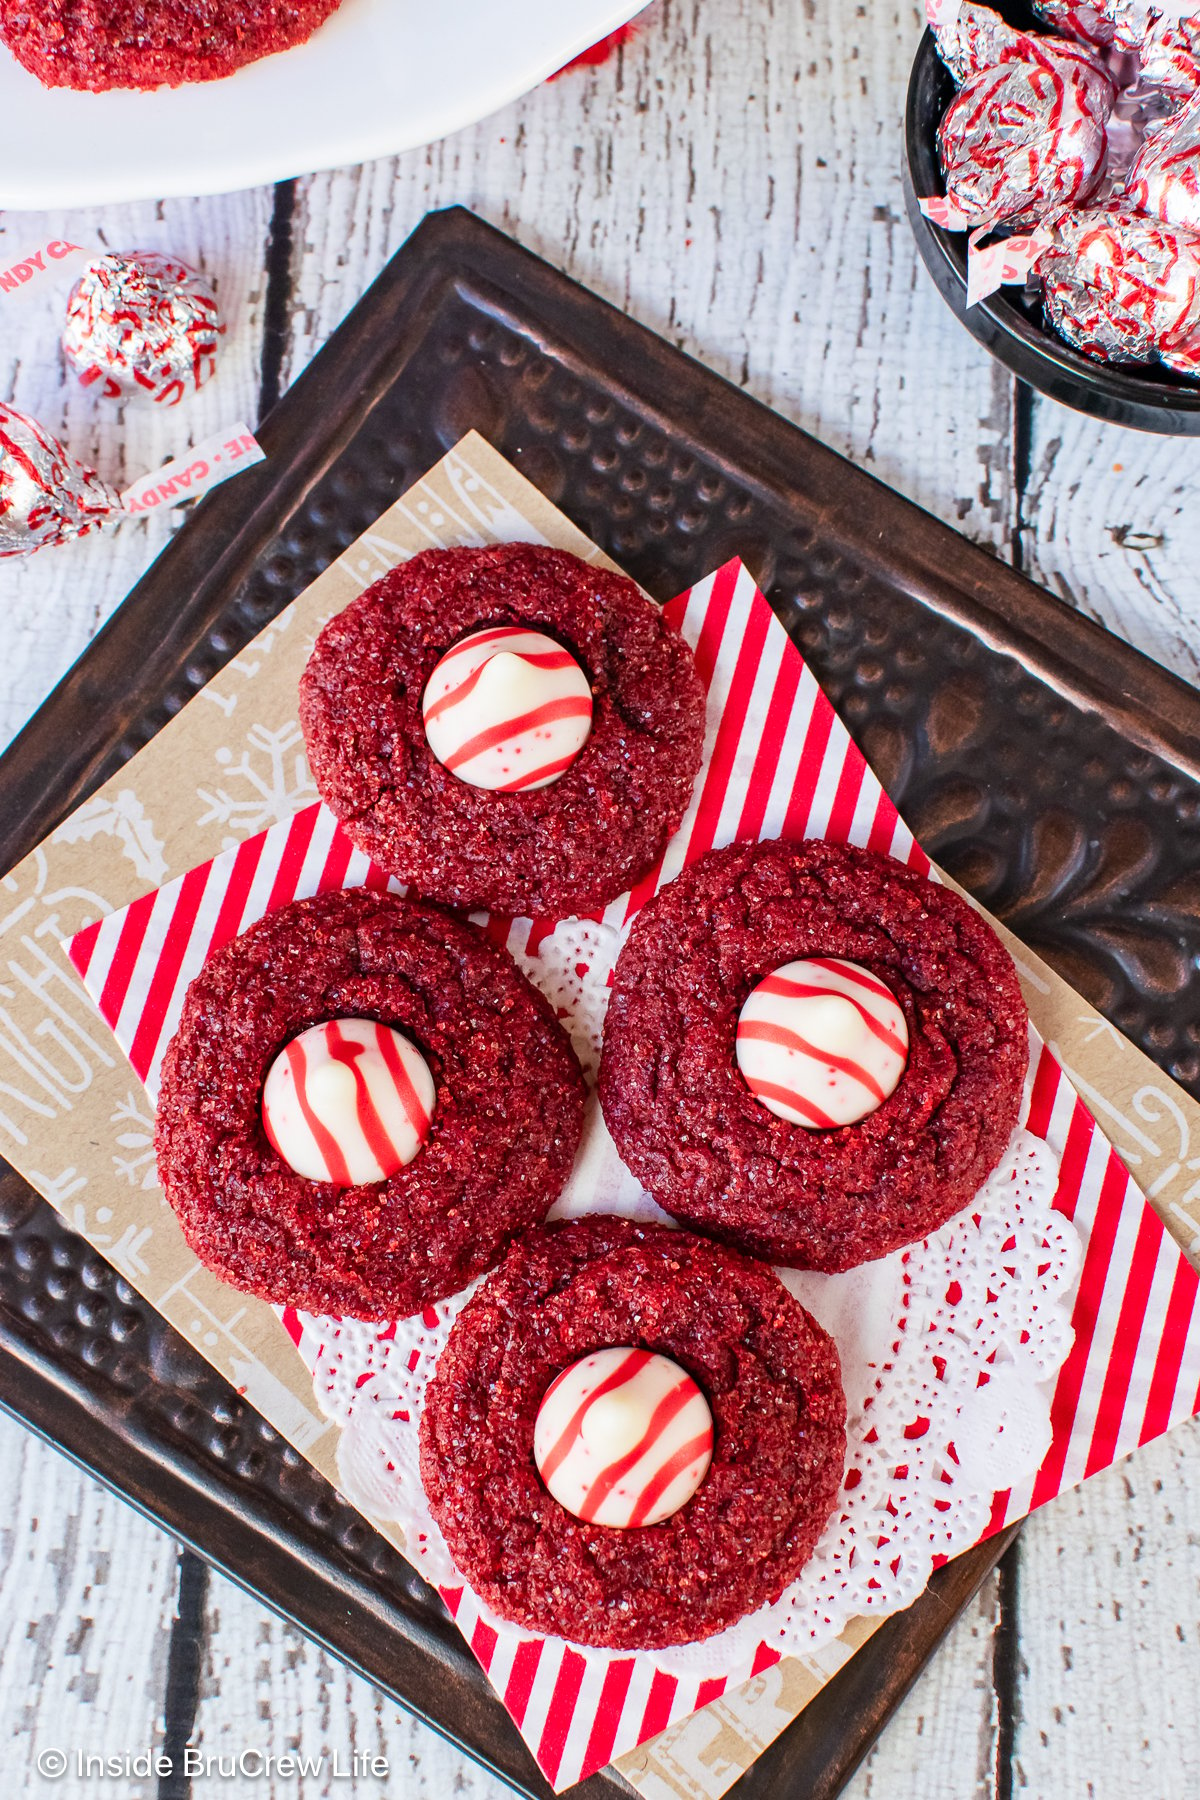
777 762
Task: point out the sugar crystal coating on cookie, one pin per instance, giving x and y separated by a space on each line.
501 1137
686 1121
771 1380
99 44
568 844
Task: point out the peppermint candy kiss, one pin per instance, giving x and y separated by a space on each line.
142 324
507 709
623 1438
349 1101
822 1042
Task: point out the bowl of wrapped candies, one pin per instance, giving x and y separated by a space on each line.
1053 183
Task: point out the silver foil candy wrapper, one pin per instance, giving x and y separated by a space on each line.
1124 288
1115 24
1170 57
977 38
142 323
46 494
1023 139
1164 178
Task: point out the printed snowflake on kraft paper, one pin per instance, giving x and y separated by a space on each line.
123 817
136 1141
247 664
124 1252
268 782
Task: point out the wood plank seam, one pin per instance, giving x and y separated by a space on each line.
185 1657
1006 1656
276 327
1024 403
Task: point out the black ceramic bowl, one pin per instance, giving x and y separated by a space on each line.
1008 324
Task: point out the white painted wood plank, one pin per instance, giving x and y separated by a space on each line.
1109 1575
1112 524
941 1744
1110 1609
266 1688
87 1590
731 179
54 602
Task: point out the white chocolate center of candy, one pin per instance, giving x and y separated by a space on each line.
507 709
349 1101
822 1042
623 1438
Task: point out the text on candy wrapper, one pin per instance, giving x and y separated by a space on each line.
25 270
202 468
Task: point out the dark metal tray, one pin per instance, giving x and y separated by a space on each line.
1051 769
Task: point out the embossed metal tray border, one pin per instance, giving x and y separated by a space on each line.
464 328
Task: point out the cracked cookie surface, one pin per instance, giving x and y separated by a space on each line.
565 848
771 1377
505 1124
683 1118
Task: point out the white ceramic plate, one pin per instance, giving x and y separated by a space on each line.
378 77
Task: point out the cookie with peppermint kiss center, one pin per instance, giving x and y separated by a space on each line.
694 1466
812 1051
507 728
364 1102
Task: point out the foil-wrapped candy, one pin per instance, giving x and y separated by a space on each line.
1120 24
142 323
1124 288
1164 177
46 495
971 37
1025 138
1170 57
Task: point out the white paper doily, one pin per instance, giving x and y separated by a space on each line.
949 1353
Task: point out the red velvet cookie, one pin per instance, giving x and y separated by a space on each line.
500 1139
98 44
772 1380
683 1116
566 847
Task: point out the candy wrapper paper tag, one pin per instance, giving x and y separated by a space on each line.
1009 261
204 466
40 265
941 211
77 1122
48 497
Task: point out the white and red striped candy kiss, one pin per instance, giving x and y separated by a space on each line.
507 709
349 1101
623 1438
822 1042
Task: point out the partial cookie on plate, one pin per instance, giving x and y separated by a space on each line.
101 44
